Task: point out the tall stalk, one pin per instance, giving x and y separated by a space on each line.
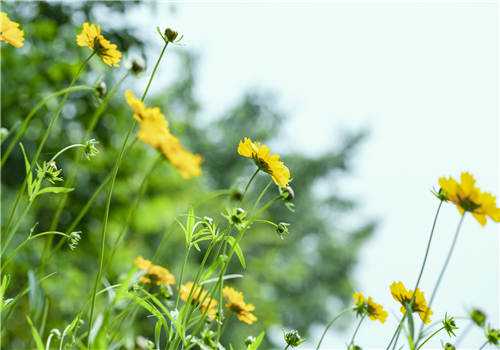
329 325
109 195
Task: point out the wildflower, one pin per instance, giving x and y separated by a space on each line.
478 317
367 306
10 32
404 296
293 338
469 198
153 130
154 274
267 162
91 37
200 297
492 335
236 304
90 149
449 325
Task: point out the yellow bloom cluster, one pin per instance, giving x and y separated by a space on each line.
267 162
200 297
468 197
404 296
236 303
154 130
154 274
370 307
91 37
10 32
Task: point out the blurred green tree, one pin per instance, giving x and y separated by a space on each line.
295 282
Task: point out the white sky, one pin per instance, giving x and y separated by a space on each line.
422 76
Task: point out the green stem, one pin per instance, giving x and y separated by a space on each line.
484 345
262 193
357 329
24 126
329 325
464 333
76 145
430 336
108 200
14 229
395 336
443 270
249 183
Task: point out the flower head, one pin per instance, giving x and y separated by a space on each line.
367 306
478 317
154 130
404 296
236 303
469 198
91 37
199 297
449 325
154 274
267 162
10 32
293 338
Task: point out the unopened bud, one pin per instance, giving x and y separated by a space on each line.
171 35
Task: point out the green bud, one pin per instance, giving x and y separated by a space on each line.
74 238
90 149
478 317
282 229
448 346
492 335
293 338
449 325
171 35
354 347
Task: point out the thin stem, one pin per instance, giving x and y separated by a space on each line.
108 200
14 229
287 346
464 333
24 126
330 324
443 270
357 329
76 145
181 275
395 336
484 345
262 193
249 182
430 336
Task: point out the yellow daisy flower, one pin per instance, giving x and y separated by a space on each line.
153 130
91 37
267 162
154 274
10 32
404 296
199 297
468 197
369 307
236 303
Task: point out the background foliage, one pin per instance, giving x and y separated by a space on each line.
295 282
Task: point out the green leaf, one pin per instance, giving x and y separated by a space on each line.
54 190
255 345
36 335
237 250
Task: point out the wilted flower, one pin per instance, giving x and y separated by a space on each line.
91 37
469 198
449 325
199 297
293 338
367 306
153 130
236 303
10 32
90 149
478 317
267 162
154 274
404 296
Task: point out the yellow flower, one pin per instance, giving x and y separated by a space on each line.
369 307
91 37
404 296
267 162
199 297
467 197
153 130
10 32
236 304
154 273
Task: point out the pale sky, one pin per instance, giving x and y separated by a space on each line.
422 76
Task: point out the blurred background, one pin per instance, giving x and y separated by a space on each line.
369 103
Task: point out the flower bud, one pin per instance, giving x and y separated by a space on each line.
101 89
354 347
492 335
449 325
282 229
293 338
249 340
236 195
448 346
478 317
74 238
90 149
171 35
137 66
